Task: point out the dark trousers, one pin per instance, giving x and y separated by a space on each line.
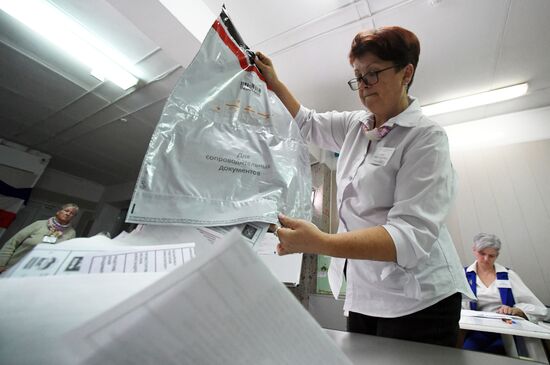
437 324
484 341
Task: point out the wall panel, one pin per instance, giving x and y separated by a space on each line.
505 190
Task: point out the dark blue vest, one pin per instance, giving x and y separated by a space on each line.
506 296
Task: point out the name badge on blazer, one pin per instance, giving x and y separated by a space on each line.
49 239
503 284
381 156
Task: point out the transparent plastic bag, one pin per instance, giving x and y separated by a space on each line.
225 150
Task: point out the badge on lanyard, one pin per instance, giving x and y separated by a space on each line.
381 156
503 284
49 239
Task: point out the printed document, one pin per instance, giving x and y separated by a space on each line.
224 307
252 232
501 323
46 259
286 268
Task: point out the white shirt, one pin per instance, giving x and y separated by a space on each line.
488 298
405 184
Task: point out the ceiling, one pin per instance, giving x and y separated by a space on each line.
99 132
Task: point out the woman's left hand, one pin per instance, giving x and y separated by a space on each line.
298 235
513 311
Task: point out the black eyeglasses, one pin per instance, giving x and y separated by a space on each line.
370 78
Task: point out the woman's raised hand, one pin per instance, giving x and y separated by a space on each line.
265 65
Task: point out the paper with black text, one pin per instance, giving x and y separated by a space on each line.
252 232
501 322
224 307
482 314
46 259
285 268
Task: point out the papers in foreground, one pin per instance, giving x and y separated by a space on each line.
46 259
501 322
151 249
223 307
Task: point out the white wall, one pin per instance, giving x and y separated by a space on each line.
505 190
524 126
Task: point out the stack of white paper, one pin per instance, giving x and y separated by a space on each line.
35 312
46 259
151 249
501 322
224 307
286 268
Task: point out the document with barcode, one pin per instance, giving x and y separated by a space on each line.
47 260
224 307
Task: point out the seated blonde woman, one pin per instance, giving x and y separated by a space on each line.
499 290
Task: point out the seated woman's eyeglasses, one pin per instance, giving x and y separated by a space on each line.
370 78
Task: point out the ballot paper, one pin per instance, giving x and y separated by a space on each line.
146 249
286 268
152 248
482 314
46 259
36 312
252 232
498 321
221 308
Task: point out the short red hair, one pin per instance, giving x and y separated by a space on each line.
389 44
